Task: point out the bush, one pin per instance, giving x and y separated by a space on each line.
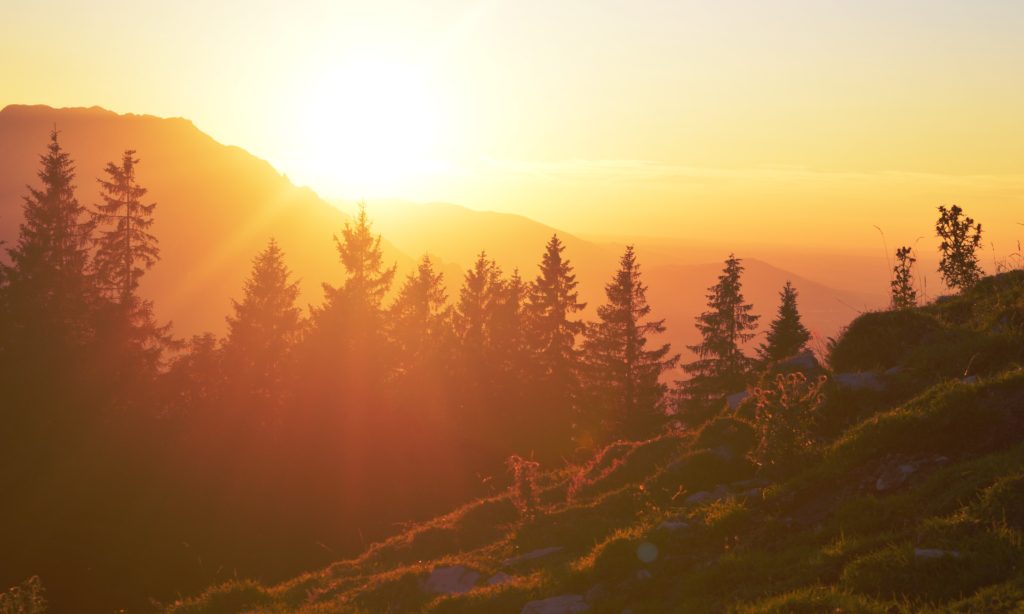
733 433
699 470
25 598
880 340
784 417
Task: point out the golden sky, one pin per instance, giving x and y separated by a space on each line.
790 122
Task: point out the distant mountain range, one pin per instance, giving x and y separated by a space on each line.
218 205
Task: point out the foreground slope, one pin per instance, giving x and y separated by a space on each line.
912 501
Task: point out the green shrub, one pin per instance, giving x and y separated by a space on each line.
25 598
699 470
785 413
879 340
725 431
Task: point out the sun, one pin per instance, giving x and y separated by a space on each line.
370 126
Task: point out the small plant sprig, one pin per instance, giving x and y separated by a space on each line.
524 485
784 416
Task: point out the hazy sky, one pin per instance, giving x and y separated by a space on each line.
798 122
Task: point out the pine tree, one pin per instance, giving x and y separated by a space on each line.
127 249
265 326
624 376
347 346
420 317
904 296
961 238
721 367
787 335
508 336
49 297
553 300
478 300
368 280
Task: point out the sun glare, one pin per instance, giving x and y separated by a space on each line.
369 127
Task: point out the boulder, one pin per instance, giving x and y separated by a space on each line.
451 580
736 399
499 578
931 554
704 496
805 362
530 556
864 380
673 526
562 604
895 476
596 594
898 472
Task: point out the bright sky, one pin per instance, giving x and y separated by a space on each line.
807 122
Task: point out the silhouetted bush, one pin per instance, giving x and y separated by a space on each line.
880 340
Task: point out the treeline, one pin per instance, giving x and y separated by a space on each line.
137 464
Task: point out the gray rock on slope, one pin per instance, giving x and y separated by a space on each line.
451 580
562 604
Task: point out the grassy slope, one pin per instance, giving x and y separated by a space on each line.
823 539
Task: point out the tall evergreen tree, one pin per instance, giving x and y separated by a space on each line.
479 298
553 301
264 327
904 296
49 297
721 366
347 345
961 238
125 250
787 335
368 280
624 376
420 316
125 247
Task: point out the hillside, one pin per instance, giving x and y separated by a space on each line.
910 500
217 206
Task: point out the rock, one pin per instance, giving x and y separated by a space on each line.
736 399
530 556
748 484
700 498
724 452
673 526
451 580
894 477
931 554
859 381
970 379
897 474
753 493
562 604
499 578
804 361
893 371
596 594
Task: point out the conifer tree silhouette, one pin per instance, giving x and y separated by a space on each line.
787 335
